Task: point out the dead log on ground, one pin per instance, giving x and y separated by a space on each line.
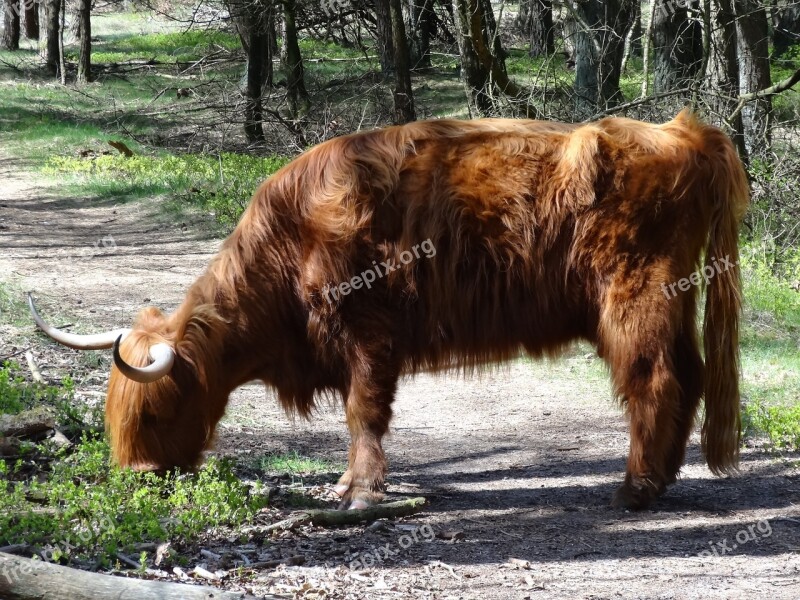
335 518
25 579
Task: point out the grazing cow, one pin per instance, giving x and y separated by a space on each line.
457 244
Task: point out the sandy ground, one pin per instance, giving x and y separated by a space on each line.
517 464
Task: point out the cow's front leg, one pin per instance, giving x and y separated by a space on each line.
368 414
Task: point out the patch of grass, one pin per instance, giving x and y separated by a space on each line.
295 464
12 306
781 423
770 346
221 184
16 394
179 46
312 48
96 509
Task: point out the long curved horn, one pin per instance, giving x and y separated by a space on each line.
163 357
98 341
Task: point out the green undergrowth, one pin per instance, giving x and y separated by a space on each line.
770 349
83 507
221 184
294 463
178 46
16 395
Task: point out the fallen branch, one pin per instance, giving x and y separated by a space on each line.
336 518
291 561
25 579
37 375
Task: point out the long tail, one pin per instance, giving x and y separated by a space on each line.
729 192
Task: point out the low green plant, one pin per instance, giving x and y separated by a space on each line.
222 184
95 509
770 346
296 464
16 394
780 423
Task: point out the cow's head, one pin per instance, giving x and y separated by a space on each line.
158 409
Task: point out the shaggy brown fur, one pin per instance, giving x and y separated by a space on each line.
544 233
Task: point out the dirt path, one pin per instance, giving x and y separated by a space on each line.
520 463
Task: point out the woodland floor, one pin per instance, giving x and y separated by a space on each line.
520 463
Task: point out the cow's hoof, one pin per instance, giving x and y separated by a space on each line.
356 498
634 496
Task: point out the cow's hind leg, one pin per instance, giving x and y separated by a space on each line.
639 347
690 370
368 409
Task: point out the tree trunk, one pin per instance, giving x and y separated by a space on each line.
786 22
535 20
752 39
31 20
599 48
293 63
85 52
637 31
50 15
677 46
11 24
723 71
476 76
419 32
383 20
255 22
75 24
257 57
403 95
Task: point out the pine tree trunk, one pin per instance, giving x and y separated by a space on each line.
599 51
50 15
383 19
676 46
403 95
753 46
11 24
476 77
419 32
786 23
723 70
256 57
537 23
293 63
85 52
31 20
255 24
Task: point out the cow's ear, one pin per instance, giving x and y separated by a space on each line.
584 161
197 340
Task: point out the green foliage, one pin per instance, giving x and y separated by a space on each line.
100 508
296 464
767 291
17 395
770 344
179 46
221 184
781 423
325 49
12 308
